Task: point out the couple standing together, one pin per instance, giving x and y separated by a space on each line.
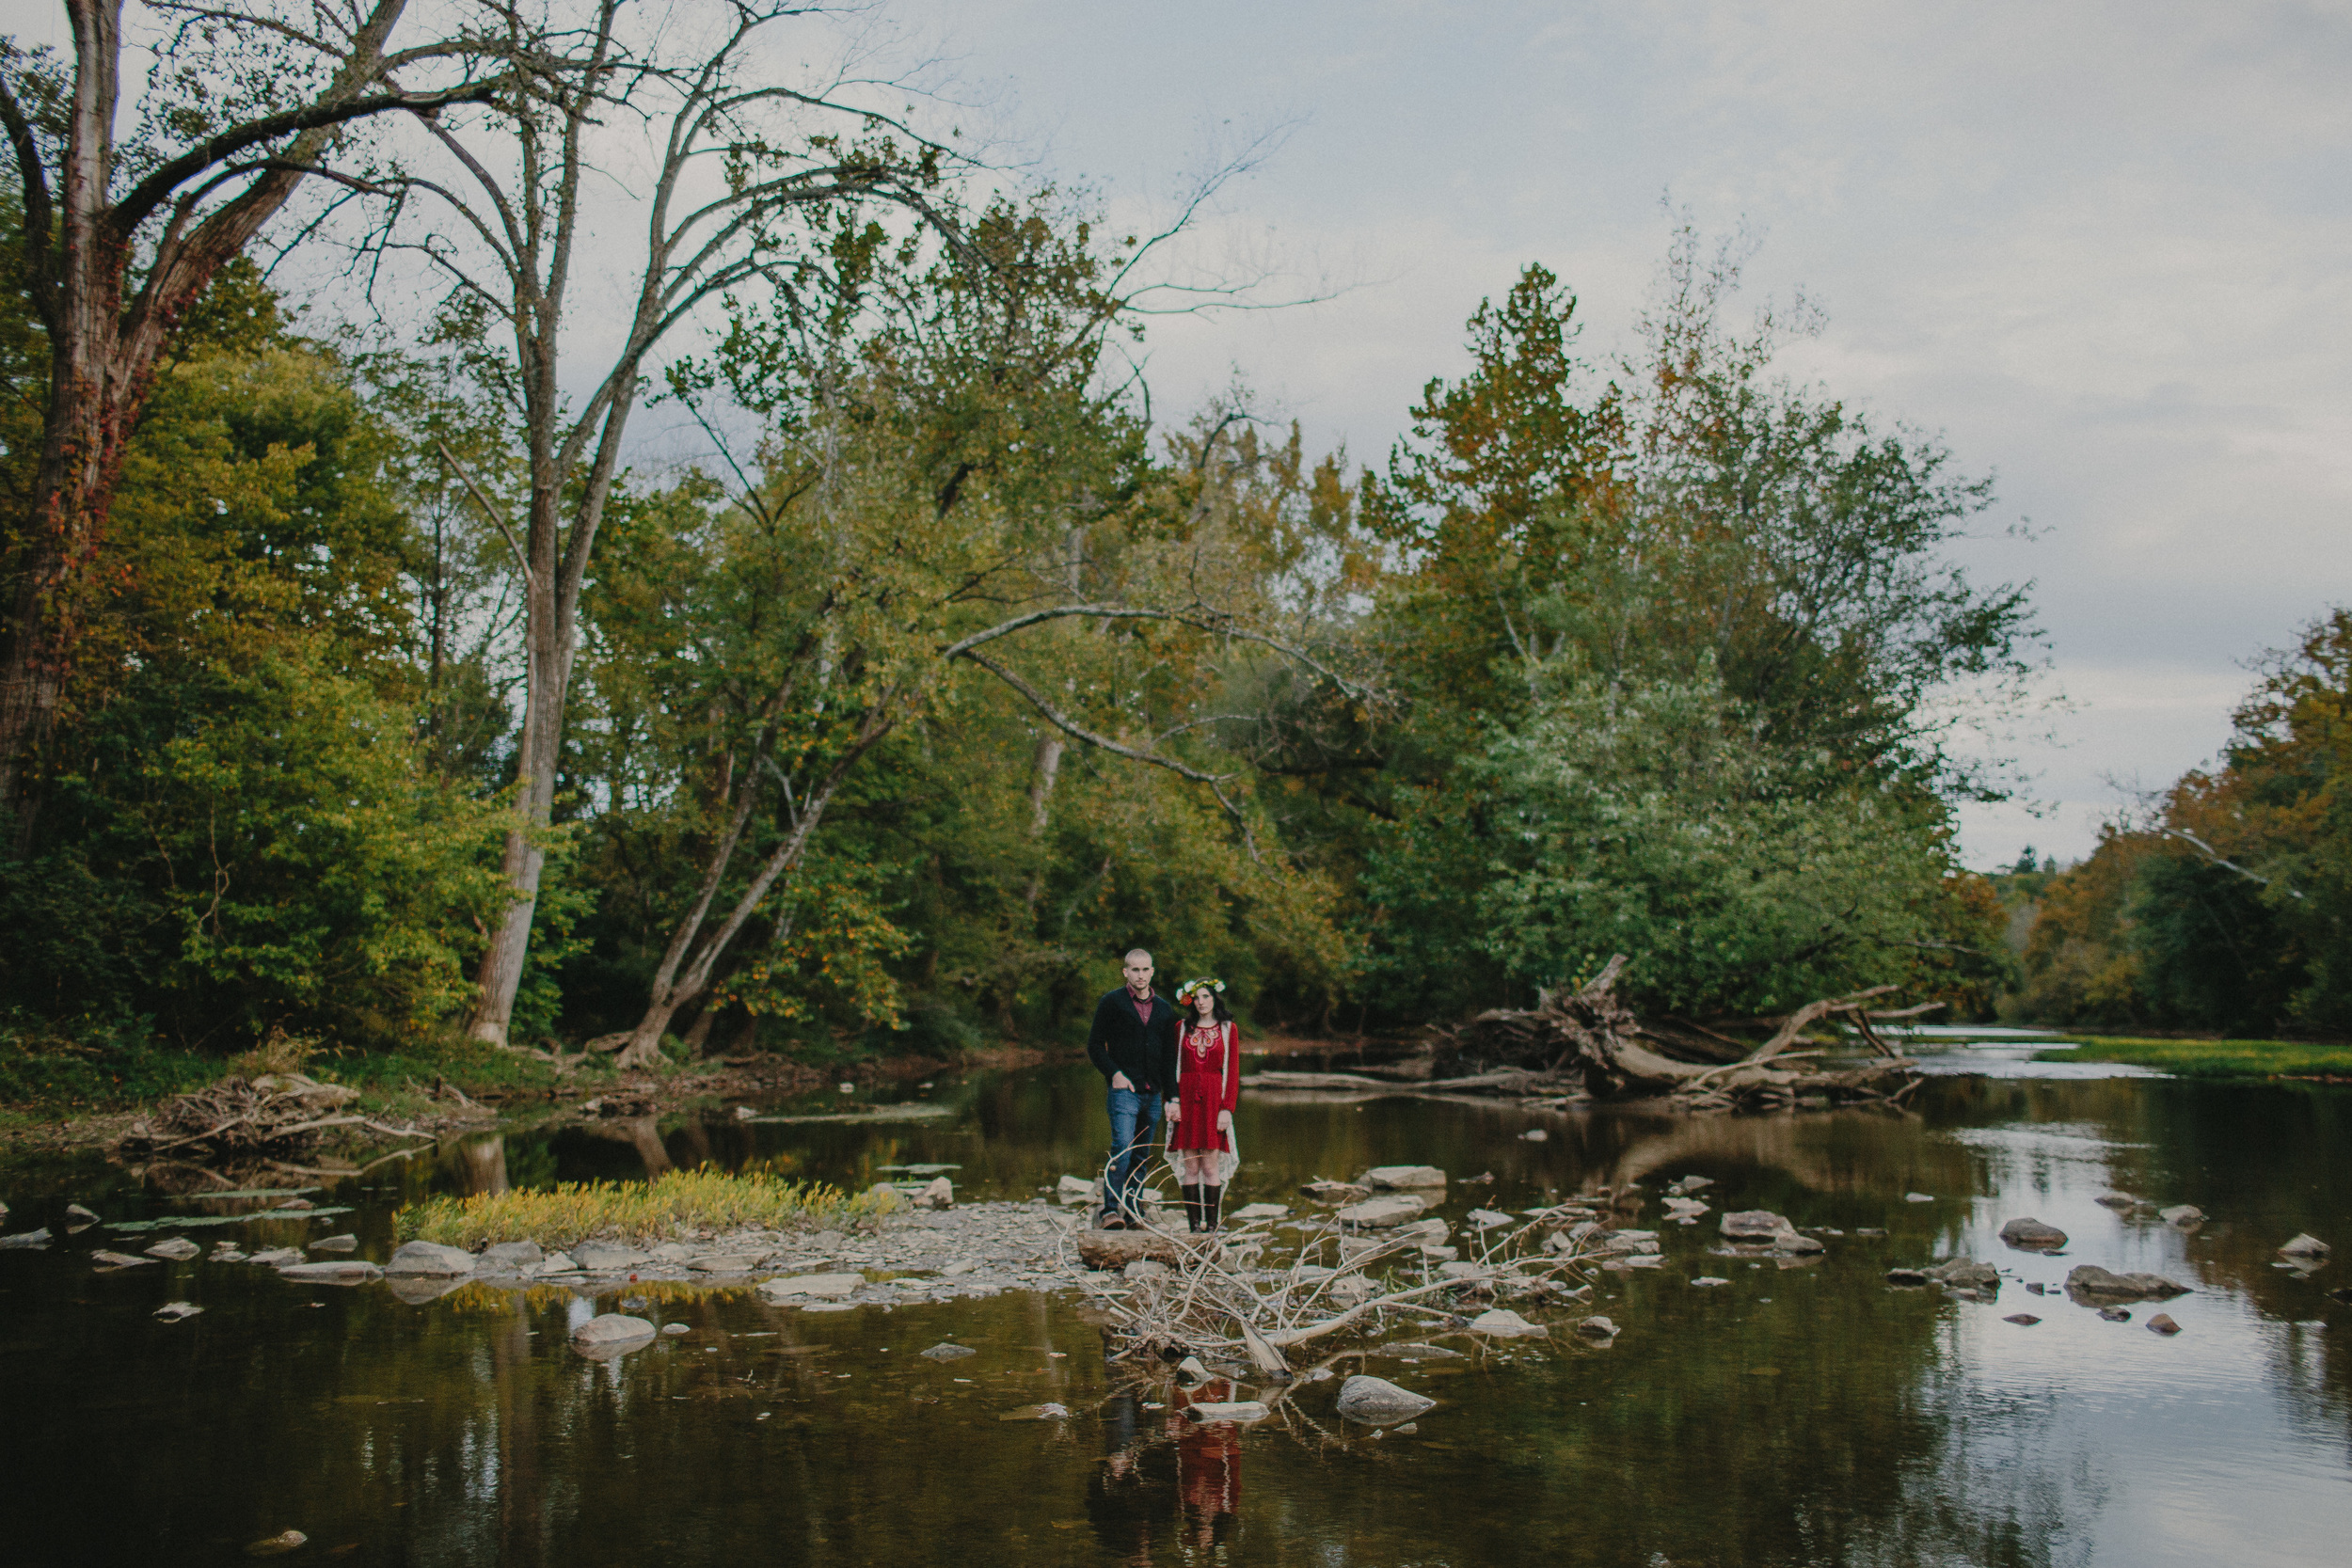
1183 1061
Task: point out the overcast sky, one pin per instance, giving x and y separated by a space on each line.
2102 249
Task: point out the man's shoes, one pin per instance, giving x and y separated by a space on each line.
1113 1222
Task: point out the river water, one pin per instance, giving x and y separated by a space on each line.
1795 1416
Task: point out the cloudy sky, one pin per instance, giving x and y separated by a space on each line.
2103 249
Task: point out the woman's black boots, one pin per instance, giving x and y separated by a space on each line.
1211 1199
1192 1210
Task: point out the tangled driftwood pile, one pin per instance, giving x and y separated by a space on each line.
1588 1043
1215 1297
275 1113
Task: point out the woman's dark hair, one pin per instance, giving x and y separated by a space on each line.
1219 1012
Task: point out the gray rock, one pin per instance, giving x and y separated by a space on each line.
179 1249
1756 1225
944 1352
1335 1191
2028 1234
1503 1323
511 1257
433 1259
610 1331
1965 1274
1189 1370
1074 1189
1262 1211
1709 1280
1918 1198
938 1193
557 1262
1689 1184
2305 1246
340 1271
744 1113
278 1544
2091 1281
1389 1179
820 1287
1145 1268
674 1329
2115 1314
1796 1243
1597 1327
344 1243
2116 1200
173 1311
1380 1214
1377 1401
607 1256
2163 1323
1535 1136
1907 1276
24 1239
2181 1215
224 1253
76 1213
276 1256
109 1261
2023 1320
1237 1410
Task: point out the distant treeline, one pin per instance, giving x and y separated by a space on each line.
2225 904
951 670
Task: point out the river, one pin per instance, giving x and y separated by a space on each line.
1798 1415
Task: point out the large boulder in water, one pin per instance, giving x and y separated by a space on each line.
612 1334
1377 1401
1389 1179
431 1259
1382 1213
2088 1282
2028 1234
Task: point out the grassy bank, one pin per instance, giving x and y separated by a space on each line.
2214 1058
678 1204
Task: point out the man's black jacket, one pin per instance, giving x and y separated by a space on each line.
1120 1041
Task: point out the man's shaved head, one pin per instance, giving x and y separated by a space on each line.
1137 956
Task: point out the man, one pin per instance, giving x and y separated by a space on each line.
1133 1045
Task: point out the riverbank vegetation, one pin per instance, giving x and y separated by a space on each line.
2224 904
2214 1058
402 698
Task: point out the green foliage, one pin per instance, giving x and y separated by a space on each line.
2227 905
1659 821
2214 1059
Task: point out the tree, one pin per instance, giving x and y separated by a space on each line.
743 173
118 240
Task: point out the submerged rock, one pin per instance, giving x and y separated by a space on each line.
1335 1191
2090 1280
2116 1200
822 1286
1965 1274
1237 1410
610 1334
1380 1214
1503 1323
1262 1211
2181 1215
944 1352
1377 1401
108 1262
433 1259
1908 1276
1755 1224
2023 1320
1399 1178
1536 1135
276 1256
674 1329
1036 1413
341 1271
278 1544
511 1257
83 1218
2306 1247
1597 1328
178 1251
174 1311
344 1243
2030 1235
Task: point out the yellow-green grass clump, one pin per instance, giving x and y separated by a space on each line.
680 1203
2214 1058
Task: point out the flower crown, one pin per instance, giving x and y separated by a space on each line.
1186 993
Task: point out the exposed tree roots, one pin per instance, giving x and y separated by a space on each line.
277 1113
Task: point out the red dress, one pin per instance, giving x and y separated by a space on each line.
1208 1079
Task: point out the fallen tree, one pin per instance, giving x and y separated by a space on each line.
1588 1041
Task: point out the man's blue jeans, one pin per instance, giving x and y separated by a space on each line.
1133 1116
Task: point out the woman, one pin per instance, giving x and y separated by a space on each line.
1200 1142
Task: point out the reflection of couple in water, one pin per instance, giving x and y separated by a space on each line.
1130 1500
1182 1061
